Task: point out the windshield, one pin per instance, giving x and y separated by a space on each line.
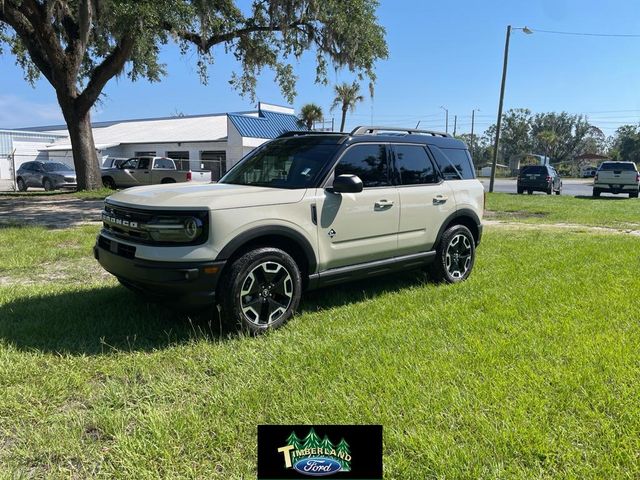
57 167
285 163
618 166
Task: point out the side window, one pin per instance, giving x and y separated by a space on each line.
143 163
454 163
27 166
413 165
162 163
367 161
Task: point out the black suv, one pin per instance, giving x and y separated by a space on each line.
539 178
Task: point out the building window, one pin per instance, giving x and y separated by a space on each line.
181 158
145 154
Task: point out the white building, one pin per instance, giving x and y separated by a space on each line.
214 142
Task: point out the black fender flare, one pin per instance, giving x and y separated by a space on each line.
465 213
271 231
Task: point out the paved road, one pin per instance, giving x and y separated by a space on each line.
572 187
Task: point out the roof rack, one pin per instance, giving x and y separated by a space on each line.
296 133
362 130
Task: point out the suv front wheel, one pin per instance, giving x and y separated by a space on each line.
261 290
455 255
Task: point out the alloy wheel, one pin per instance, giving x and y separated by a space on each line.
458 256
266 293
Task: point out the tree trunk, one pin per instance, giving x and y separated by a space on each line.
344 117
85 158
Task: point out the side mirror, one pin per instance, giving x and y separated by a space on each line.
347 184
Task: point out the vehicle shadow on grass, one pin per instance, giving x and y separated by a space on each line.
591 197
99 321
113 319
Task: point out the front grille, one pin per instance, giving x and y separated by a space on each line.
70 179
129 223
118 248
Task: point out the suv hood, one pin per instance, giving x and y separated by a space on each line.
215 196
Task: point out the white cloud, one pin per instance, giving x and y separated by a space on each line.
19 112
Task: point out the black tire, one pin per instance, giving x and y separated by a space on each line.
449 267
559 191
633 195
168 180
109 183
529 192
520 191
47 185
22 186
271 282
550 190
596 193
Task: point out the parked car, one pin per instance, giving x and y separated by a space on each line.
589 173
302 211
138 171
539 178
113 162
617 177
48 175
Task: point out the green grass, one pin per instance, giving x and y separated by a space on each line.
98 194
616 212
528 370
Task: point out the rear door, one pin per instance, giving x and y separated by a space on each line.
359 227
426 200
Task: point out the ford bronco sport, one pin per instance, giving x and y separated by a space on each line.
302 211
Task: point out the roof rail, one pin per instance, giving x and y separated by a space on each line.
296 133
362 130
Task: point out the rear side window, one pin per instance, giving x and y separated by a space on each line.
618 166
454 163
413 165
367 161
162 163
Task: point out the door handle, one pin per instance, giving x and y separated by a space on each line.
383 204
440 199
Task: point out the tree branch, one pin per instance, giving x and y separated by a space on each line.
204 45
111 66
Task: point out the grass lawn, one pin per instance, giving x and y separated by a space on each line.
528 370
98 194
616 212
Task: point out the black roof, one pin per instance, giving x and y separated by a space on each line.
392 135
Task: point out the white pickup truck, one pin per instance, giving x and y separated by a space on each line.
616 177
138 171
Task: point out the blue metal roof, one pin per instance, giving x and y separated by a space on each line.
267 125
8 136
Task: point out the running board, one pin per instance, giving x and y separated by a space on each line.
369 269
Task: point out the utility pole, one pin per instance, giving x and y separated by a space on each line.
496 145
455 124
446 121
473 122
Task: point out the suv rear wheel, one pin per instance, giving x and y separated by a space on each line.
261 290
455 255
22 186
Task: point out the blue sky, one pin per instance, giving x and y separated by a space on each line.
441 53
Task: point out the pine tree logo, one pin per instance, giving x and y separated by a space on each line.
316 456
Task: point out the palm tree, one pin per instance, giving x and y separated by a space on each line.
309 114
347 96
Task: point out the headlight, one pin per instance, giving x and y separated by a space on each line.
174 229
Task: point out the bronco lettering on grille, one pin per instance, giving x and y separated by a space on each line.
118 221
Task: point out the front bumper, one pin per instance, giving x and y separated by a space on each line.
183 284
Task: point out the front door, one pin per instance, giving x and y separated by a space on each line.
142 173
359 227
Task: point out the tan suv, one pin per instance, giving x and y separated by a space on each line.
303 211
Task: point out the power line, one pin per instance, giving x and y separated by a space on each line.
585 34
